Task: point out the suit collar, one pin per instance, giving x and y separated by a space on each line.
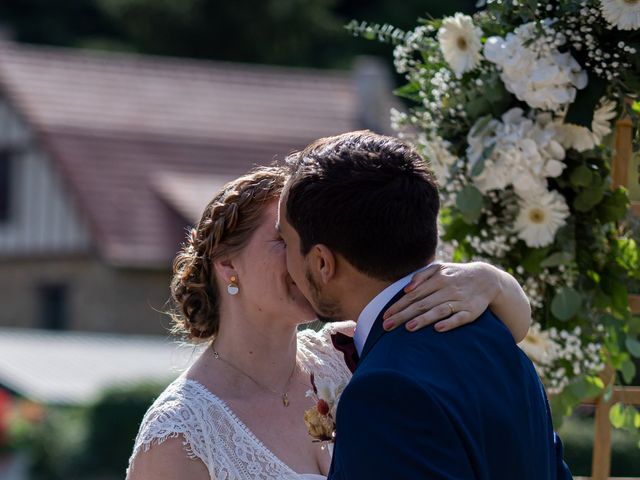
369 314
377 331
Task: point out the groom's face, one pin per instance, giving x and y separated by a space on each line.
306 279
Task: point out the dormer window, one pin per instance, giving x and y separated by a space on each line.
5 186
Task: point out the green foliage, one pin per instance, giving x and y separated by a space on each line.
288 32
74 443
581 110
577 269
469 201
112 424
577 436
566 303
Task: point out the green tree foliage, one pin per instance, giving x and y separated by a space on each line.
286 32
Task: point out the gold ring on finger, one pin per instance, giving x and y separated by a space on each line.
451 310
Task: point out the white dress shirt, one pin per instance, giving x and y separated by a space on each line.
368 316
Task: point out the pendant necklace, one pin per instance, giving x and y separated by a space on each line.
284 396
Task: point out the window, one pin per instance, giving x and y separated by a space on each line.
53 307
5 184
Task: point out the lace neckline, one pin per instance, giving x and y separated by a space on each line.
215 399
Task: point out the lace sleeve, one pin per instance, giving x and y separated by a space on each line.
174 414
319 355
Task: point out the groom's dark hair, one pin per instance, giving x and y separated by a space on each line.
370 198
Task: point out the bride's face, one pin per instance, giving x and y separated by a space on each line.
262 273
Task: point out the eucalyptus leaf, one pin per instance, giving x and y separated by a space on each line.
628 370
558 258
614 207
477 107
595 386
616 415
633 346
478 167
471 218
480 125
629 418
410 91
619 295
587 387
496 91
608 393
566 303
581 176
588 198
557 411
532 261
469 201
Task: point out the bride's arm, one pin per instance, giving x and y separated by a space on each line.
167 461
454 294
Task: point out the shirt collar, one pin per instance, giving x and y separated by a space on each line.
368 316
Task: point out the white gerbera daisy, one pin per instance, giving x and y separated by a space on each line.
601 124
581 138
536 345
542 213
460 43
624 14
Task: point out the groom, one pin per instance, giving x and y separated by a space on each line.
359 217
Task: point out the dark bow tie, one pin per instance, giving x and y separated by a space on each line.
344 343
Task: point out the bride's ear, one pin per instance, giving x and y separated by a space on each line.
225 269
323 262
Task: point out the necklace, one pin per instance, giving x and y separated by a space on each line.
284 396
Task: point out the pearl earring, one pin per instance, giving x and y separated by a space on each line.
232 288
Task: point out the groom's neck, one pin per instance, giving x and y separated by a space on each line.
362 290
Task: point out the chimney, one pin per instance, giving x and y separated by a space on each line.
373 84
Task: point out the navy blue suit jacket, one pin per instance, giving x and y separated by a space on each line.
466 404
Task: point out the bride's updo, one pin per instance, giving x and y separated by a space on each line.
224 229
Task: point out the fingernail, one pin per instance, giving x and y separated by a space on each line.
439 327
387 325
408 288
411 325
386 315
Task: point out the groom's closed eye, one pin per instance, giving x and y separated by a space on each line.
281 240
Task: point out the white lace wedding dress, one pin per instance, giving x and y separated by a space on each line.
215 435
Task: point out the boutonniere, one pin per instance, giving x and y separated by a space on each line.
320 419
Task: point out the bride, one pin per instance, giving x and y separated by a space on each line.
237 412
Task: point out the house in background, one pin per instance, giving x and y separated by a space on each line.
106 158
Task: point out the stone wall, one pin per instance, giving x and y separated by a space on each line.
98 297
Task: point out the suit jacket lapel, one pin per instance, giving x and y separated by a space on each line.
377 331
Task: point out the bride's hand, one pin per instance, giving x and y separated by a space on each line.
454 294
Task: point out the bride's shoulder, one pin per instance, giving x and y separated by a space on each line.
317 353
178 400
312 336
184 409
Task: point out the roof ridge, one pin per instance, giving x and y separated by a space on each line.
164 60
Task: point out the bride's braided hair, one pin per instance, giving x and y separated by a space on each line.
226 225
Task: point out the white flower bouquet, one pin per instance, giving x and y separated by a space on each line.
514 108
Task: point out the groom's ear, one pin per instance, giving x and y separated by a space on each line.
324 262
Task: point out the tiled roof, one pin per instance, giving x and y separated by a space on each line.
188 194
115 123
75 368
